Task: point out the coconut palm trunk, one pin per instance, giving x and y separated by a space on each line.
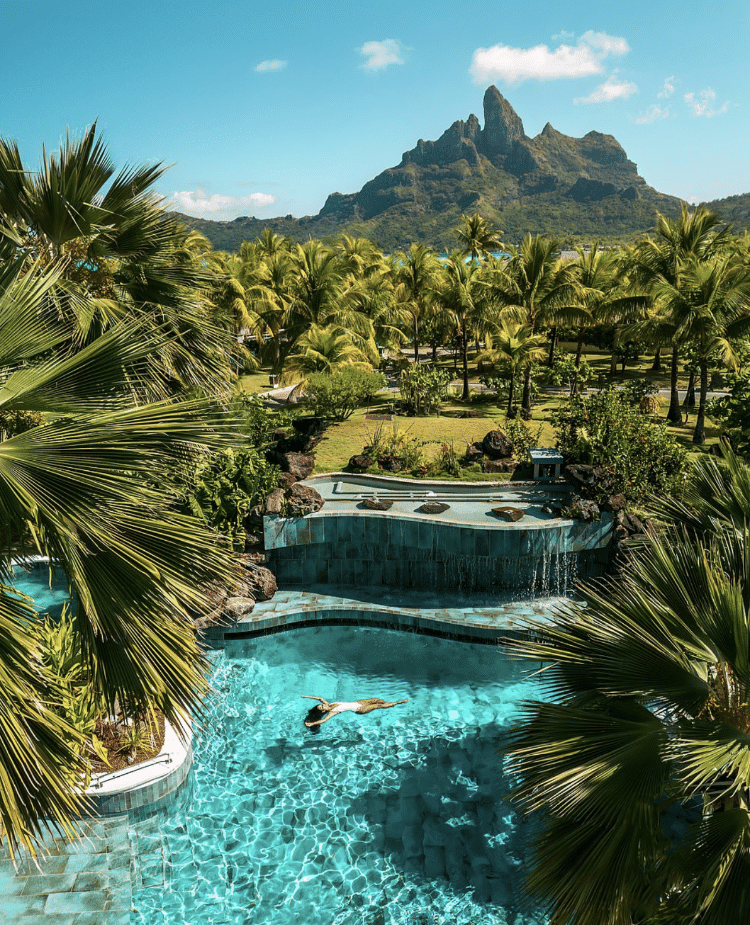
465 361
674 415
699 434
552 346
526 397
511 393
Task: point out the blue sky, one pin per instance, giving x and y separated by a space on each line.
264 109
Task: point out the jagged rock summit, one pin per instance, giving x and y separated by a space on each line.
552 183
586 169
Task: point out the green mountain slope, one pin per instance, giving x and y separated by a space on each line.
584 187
733 209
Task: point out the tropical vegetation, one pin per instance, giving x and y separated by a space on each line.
636 760
112 361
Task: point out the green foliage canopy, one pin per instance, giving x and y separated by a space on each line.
604 429
338 394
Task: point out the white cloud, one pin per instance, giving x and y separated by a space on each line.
274 64
563 34
702 103
196 202
514 65
668 89
653 113
380 54
612 89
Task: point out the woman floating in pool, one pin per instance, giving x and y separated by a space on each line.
366 705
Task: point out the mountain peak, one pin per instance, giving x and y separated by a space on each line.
502 124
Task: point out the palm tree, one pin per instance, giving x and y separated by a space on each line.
708 305
638 758
477 236
601 295
90 486
463 296
112 243
322 350
515 347
416 275
659 261
539 289
318 283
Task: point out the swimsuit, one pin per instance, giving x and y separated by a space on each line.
352 706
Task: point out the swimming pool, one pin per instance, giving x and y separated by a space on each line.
47 587
393 817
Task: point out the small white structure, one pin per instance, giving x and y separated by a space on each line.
547 463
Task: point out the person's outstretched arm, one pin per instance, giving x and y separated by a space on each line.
321 699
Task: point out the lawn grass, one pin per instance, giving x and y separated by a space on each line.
343 440
253 383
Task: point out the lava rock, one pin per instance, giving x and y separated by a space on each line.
301 500
632 523
433 507
360 463
511 514
474 453
376 504
300 465
237 607
260 583
499 465
286 480
390 463
496 445
254 519
307 426
614 503
579 474
275 501
585 510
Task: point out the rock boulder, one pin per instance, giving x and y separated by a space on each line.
496 445
376 504
301 500
511 514
433 507
300 465
360 463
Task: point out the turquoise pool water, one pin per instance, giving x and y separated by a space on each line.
393 817
47 587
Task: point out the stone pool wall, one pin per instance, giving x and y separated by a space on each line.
370 549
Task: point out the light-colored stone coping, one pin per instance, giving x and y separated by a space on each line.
173 754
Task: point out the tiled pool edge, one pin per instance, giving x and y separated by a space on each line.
141 800
297 609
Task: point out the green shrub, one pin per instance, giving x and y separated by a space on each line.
222 488
521 436
257 422
605 430
423 388
565 372
396 443
732 411
337 395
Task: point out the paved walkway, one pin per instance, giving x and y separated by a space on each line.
81 882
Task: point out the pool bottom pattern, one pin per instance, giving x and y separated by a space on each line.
394 817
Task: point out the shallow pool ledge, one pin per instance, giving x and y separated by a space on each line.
145 788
